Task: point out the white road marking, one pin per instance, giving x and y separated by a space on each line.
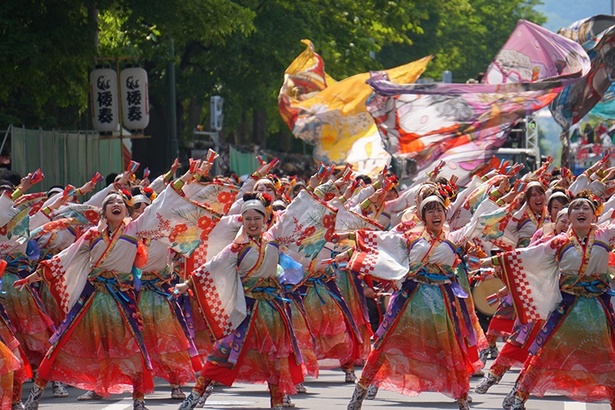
574 405
120 405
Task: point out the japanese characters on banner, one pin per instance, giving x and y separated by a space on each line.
135 104
133 90
103 92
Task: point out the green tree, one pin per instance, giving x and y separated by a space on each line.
45 52
237 49
463 35
248 69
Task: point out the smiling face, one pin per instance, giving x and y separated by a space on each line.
253 222
266 188
581 215
536 199
434 217
562 224
555 206
114 210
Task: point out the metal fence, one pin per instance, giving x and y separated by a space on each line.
65 157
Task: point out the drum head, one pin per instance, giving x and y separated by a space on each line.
482 290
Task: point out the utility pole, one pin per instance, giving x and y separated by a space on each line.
172 153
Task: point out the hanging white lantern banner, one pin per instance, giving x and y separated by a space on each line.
135 99
104 99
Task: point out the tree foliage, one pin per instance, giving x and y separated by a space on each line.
463 35
238 49
45 51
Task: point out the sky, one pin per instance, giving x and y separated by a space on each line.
562 13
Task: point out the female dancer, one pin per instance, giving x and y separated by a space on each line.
524 224
256 341
516 349
99 345
173 354
424 342
14 367
565 281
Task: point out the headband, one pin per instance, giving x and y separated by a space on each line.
562 212
55 190
264 181
141 198
536 184
278 203
254 204
559 194
429 199
589 201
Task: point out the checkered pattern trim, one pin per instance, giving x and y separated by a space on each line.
214 311
53 272
200 254
367 257
521 291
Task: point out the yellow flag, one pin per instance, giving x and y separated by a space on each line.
332 115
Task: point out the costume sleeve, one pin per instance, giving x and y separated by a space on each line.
98 197
14 224
581 182
363 194
247 186
158 184
218 289
221 235
176 221
306 226
531 275
67 272
404 201
217 196
454 211
488 222
349 221
381 254
38 219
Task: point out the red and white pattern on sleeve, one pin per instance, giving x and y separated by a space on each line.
222 307
365 260
198 258
53 274
520 288
215 315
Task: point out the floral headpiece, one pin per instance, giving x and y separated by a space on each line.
594 200
126 196
277 183
391 182
448 191
266 197
150 193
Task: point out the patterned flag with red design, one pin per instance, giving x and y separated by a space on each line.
465 124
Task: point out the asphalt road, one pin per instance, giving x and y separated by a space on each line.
327 392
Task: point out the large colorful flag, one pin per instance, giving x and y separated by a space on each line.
597 36
605 109
465 124
332 115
